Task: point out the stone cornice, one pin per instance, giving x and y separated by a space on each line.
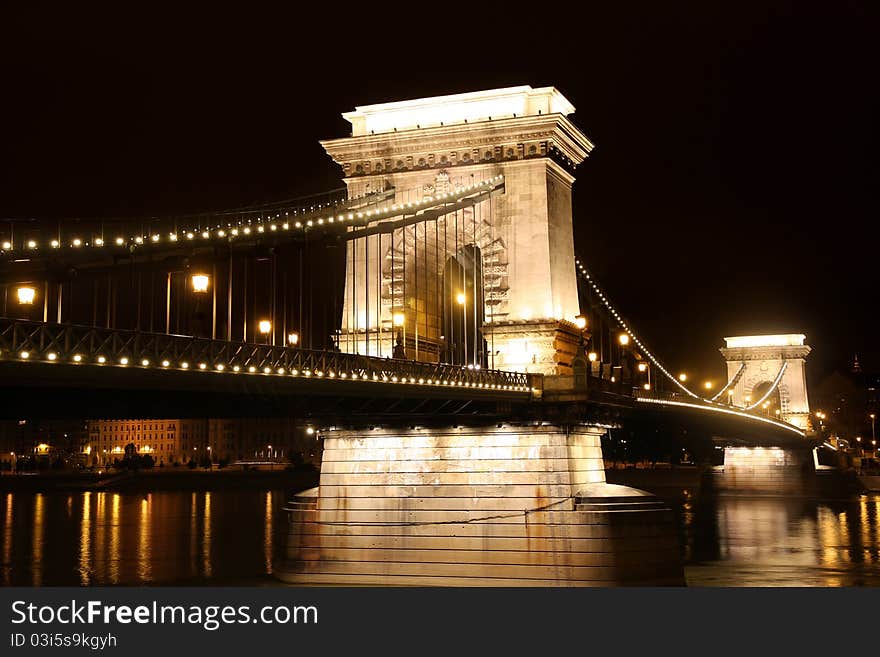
555 128
765 353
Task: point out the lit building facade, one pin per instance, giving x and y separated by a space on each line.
167 441
171 441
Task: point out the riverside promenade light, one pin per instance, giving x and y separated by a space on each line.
265 326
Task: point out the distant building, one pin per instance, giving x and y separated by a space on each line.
171 441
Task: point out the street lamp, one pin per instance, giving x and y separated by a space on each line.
592 356
461 299
873 417
26 295
200 283
581 322
398 319
707 385
682 377
265 327
623 339
293 339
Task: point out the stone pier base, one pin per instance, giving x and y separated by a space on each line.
766 470
498 506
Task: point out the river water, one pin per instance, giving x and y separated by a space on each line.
232 538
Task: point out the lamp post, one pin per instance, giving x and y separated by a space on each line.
200 283
398 319
461 299
873 417
265 327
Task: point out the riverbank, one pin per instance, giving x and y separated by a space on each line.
161 480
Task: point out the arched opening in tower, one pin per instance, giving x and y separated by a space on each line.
463 308
771 405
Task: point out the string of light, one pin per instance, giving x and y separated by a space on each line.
733 381
722 409
272 224
585 274
78 359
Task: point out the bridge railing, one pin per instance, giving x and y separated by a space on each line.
28 341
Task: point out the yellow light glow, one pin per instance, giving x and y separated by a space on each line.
26 295
460 298
457 108
682 377
707 385
42 448
293 339
398 318
623 339
265 326
647 386
200 282
592 356
581 322
643 367
786 340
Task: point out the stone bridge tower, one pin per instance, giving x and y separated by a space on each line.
761 357
519 243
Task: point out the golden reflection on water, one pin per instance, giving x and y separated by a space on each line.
145 553
85 540
98 541
115 541
7 539
267 533
206 537
39 534
193 534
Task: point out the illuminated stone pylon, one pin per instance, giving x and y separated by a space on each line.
516 249
475 506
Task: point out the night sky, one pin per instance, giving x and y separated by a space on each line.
732 190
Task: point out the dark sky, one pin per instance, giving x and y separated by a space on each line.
732 190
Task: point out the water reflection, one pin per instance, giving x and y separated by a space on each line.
233 537
39 533
85 540
98 538
782 542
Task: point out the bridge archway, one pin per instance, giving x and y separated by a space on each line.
463 307
772 399
767 361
